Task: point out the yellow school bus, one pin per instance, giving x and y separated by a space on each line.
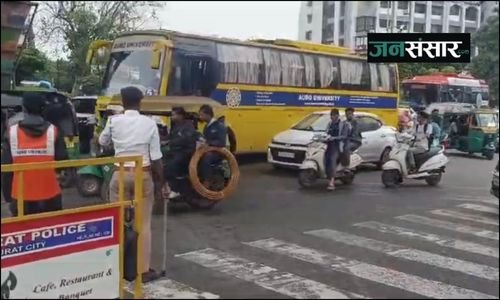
261 86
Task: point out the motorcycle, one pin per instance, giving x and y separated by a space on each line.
430 164
313 166
188 197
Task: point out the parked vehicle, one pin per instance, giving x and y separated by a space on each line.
494 182
288 148
430 164
313 167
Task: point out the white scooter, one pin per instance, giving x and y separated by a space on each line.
313 166
430 164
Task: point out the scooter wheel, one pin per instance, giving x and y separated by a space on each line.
348 179
391 178
88 185
307 178
433 180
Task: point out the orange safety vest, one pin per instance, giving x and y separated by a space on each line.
38 184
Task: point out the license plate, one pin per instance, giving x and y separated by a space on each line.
286 154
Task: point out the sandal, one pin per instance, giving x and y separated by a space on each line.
331 187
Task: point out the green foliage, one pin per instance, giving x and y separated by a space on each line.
81 22
448 69
485 64
32 65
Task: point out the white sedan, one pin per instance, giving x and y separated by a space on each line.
288 148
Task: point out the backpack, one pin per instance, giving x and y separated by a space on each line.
430 139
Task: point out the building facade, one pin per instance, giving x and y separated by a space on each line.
346 23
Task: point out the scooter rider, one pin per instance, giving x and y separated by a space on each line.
422 132
182 143
339 131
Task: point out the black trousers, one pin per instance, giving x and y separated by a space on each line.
176 165
36 207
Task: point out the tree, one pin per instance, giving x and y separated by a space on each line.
32 65
485 64
81 22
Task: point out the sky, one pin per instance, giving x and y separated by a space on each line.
241 20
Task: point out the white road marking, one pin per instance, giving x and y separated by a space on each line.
264 276
399 251
488 234
480 208
471 199
389 277
170 289
464 216
432 238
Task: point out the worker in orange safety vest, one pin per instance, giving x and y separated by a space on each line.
33 140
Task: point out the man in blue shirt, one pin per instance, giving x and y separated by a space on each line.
215 133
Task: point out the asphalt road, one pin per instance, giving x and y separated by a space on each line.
274 240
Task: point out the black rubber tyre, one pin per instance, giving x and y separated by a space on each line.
489 155
88 185
384 157
433 180
391 178
66 177
347 180
307 178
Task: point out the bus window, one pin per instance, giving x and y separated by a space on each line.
239 64
329 76
192 75
292 68
310 71
354 75
272 66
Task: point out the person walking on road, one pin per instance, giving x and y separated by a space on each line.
33 140
134 134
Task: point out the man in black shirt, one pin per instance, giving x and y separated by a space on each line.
182 144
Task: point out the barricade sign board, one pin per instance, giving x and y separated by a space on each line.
68 256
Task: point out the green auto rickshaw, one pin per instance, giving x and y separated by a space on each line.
471 130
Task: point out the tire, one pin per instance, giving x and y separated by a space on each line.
200 203
307 178
489 155
66 177
88 185
391 178
433 180
384 157
347 180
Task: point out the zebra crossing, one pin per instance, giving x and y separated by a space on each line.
370 236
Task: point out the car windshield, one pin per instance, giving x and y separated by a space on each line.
313 122
131 68
487 120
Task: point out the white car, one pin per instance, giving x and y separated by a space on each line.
288 148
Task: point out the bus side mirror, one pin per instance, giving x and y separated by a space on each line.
158 46
155 59
94 46
90 55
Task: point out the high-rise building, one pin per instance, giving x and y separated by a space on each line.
346 23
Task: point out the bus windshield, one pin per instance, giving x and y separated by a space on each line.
131 68
313 122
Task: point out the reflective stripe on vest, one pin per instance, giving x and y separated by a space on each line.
39 184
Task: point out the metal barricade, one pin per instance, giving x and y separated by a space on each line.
121 204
